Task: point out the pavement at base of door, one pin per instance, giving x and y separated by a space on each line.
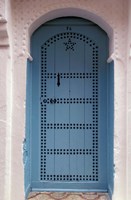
68 196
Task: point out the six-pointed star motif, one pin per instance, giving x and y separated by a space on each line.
69 45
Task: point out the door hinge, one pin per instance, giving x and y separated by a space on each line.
25 152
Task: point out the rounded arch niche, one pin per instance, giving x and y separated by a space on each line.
108 80
74 12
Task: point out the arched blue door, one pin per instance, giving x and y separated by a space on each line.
68 136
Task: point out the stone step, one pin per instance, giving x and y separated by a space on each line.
68 196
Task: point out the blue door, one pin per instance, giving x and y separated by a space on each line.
69 107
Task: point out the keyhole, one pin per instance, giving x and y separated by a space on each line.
58 79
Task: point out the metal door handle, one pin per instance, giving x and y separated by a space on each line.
58 79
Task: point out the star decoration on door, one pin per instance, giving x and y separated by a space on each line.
69 45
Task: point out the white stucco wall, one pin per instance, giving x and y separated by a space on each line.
129 103
23 17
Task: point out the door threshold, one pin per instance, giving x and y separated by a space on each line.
68 196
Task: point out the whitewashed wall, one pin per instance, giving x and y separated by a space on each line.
128 133
23 17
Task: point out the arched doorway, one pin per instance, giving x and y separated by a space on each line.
67 105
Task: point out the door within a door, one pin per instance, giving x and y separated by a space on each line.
69 106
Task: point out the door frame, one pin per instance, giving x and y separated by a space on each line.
110 123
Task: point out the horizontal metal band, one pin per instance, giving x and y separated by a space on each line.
93 152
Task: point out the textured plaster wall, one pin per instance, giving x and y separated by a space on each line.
28 15
5 100
129 101
23 17
3 117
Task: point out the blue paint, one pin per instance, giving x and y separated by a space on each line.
69 129
110 129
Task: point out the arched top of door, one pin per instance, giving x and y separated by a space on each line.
75 12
